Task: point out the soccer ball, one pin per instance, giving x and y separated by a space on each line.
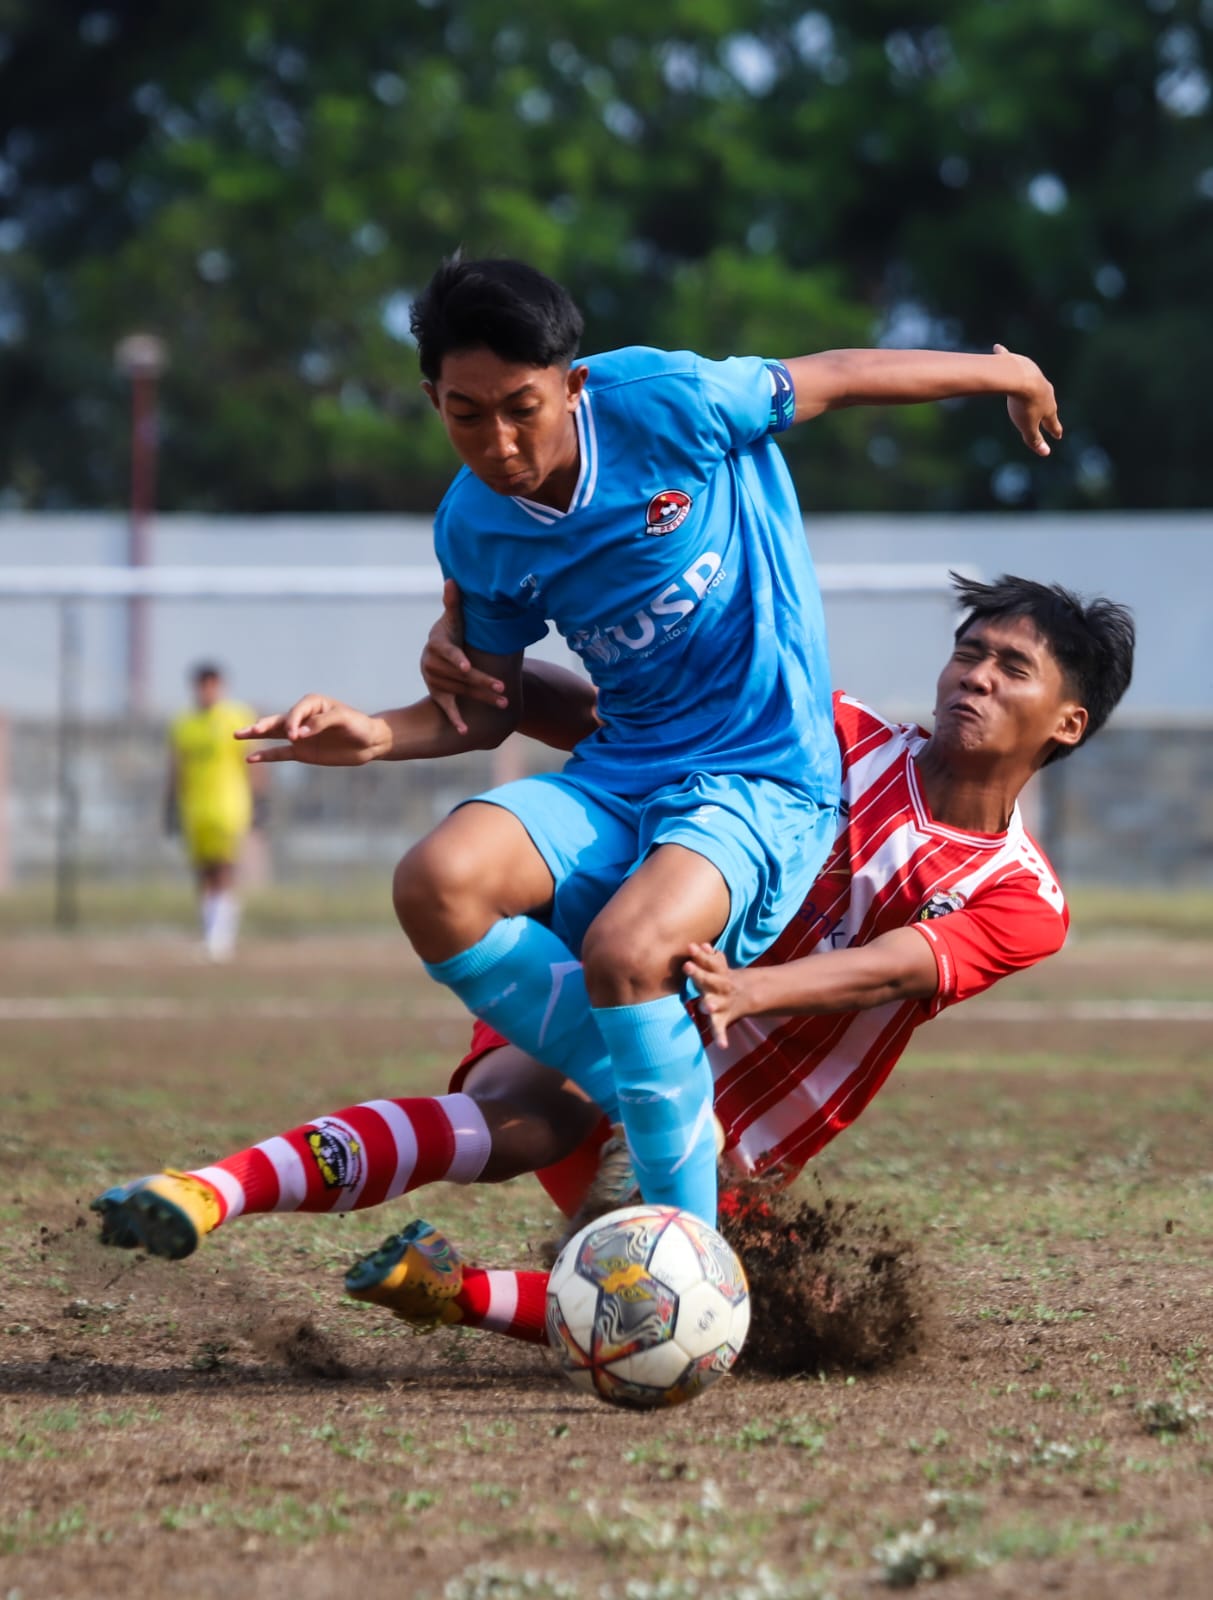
647 1307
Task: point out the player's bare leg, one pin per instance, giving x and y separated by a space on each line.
478 867
634 949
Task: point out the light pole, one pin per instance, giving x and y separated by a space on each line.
141 357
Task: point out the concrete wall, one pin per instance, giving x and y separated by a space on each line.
885 649
1134 807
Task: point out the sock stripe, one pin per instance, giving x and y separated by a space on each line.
435 1142
400 1125
292 1174
503 1297
512 1303
472 1139
229 1190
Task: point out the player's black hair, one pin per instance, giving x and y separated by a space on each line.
505 306
1091 640
205 670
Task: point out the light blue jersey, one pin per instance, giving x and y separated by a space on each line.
680 574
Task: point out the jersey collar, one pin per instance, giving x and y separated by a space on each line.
587 478
922 812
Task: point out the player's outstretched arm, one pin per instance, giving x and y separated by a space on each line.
322 732
833 379
897 966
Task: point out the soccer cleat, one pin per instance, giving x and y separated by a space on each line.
613 1185
166 1214
415 1274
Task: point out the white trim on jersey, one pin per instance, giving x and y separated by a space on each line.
804 1100
587 477
972 841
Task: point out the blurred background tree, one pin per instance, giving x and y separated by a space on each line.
265 184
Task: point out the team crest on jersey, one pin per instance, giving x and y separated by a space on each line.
940 905
337 1154
666 511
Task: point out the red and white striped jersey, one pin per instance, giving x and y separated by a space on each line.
989 904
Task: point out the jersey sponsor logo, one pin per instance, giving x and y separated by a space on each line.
666 511
663 617
940 905
337 1154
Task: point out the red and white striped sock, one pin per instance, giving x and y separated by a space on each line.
355 1158
504 1302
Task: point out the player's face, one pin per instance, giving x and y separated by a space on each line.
1002 694
207 692
512 425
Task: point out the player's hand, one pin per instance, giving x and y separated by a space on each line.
1031 404
447 671
722 989
321 733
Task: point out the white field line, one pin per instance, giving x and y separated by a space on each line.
1090 1011
103 1008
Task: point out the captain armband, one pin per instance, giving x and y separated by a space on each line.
783 397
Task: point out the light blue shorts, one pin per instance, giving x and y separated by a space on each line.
767 841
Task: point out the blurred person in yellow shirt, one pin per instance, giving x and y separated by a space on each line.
210 798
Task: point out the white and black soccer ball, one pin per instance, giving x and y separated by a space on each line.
647 1307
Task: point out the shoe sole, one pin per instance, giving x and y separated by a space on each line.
372 1271
147 1220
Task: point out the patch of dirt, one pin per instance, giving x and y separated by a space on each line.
229 1422
832 1284
299 1346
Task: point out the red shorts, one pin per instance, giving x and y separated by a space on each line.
484 1041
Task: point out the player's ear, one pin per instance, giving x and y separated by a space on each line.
574 384
432 392
1071 724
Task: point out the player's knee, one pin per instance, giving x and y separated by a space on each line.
436 885
627 963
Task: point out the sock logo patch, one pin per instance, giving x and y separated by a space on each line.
337 1154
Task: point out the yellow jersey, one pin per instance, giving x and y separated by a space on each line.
212 778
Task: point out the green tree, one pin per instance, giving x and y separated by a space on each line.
265 185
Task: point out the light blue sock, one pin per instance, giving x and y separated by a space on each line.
664 1083
525 982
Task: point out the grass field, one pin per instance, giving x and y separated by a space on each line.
228 1423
